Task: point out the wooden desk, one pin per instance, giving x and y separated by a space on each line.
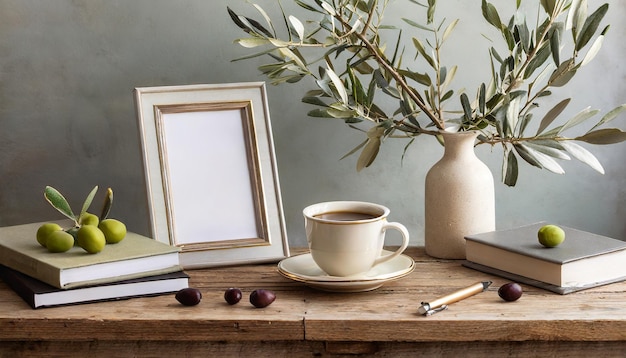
306 322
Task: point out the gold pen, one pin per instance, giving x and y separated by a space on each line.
440 304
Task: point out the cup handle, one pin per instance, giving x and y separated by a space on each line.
405 242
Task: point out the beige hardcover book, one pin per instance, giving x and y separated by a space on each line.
582 261
134 257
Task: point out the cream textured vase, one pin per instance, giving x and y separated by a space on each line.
459 198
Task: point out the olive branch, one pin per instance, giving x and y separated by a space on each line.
356 77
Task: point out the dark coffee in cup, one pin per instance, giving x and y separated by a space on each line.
345 216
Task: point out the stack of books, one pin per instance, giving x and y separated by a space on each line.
137 266
584 260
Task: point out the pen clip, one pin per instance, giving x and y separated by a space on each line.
431 312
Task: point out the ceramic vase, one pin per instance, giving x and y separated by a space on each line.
459 198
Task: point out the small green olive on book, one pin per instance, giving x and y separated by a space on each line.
91 239
551 235
89 219
114 230
45 230
59 241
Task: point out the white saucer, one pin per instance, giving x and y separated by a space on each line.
303 269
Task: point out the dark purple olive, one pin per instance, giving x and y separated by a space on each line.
510 292
189 296
232 295
262 298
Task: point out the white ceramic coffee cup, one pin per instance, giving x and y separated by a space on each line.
354 244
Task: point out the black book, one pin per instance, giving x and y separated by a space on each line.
39 294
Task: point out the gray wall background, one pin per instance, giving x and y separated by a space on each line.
67 117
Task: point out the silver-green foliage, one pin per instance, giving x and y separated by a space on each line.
356 76
58 201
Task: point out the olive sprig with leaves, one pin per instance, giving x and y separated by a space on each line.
58 201
89 231
356 76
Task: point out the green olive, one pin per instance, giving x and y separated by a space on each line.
550 235
59 241
114 230
88 219
91 239
45 230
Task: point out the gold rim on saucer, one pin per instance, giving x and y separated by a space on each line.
301 268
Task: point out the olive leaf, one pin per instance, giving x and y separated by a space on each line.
593 50
266 17
467 108
555 42
108 203
481 98
431 10
422 51
361 145
576 16
415 24
552 114
290 54
372 146
548 5
251 42
308 7
314 100
563 74
537 61
358 92
343 113
339 87
326 6
491 15
88 200
529 158
590 26
420 78
548 149
524 36
297 26
543 160
248 25
449 77
583 155
512 114
610 116
236 19
58 201
449 30
603 136
509 168
406 148
579 118
368 154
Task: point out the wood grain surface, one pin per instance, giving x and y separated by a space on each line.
312 322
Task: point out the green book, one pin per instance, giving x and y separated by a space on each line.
134 257
582 261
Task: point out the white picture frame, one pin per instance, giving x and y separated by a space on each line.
211 174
